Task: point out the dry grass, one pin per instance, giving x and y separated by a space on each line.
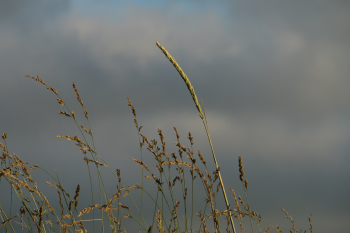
172 174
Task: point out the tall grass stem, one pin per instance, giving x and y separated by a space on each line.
195 99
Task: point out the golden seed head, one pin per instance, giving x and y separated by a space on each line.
80 101
124 206
201 158
60 101
177 135
37 79
82 126
64 113
132 107
3 147
70 205
190 138
310 223
52 89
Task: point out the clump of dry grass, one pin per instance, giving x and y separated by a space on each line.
171 174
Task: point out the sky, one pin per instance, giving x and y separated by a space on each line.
273 77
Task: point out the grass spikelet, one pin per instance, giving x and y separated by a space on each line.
80 101
159 222
241 171
239 215
22 212
61 204
134 113
8 220
184 77
3 147
190 138
77 193
310 223
201 158
52 89
40 218
64 113
87 210
37 79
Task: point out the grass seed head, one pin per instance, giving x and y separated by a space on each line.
184 77
241 171
77 192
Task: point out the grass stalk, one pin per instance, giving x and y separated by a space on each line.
194 97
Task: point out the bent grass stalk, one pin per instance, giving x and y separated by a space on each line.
194 97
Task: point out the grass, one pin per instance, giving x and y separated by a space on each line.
175 177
